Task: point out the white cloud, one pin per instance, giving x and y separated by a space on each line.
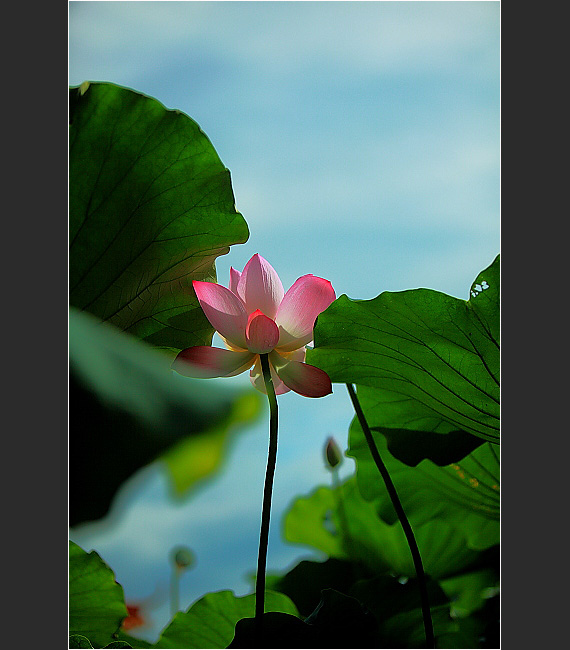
402 180
365 37
290 161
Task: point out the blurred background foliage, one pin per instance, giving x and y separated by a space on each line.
151 207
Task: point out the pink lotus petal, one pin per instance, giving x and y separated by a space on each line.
303 302
280 388
304 379
261 333
260 287
256 377
204 361
234 279
231 346
295 355
224 310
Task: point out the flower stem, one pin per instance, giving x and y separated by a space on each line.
337 488
428 625
267 491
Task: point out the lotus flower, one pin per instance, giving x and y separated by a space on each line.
255 316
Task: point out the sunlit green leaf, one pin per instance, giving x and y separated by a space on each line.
411 447
434 357
345 526
127 407
96 602
469 591
151 206
412 439
210 622
308 521
464 494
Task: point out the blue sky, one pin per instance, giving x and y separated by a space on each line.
363 140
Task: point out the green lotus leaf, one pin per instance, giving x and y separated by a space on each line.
435 358
210 622
343 525
151 206
79 641
396 606
96 602
305 581
470 591
465 494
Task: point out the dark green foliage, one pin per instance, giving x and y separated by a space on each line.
127 407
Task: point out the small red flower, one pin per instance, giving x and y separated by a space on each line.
135 618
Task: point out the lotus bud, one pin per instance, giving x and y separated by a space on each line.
333 453
183 557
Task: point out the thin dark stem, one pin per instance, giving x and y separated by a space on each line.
267 491
428 625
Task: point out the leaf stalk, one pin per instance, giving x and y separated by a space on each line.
416 557
174 591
